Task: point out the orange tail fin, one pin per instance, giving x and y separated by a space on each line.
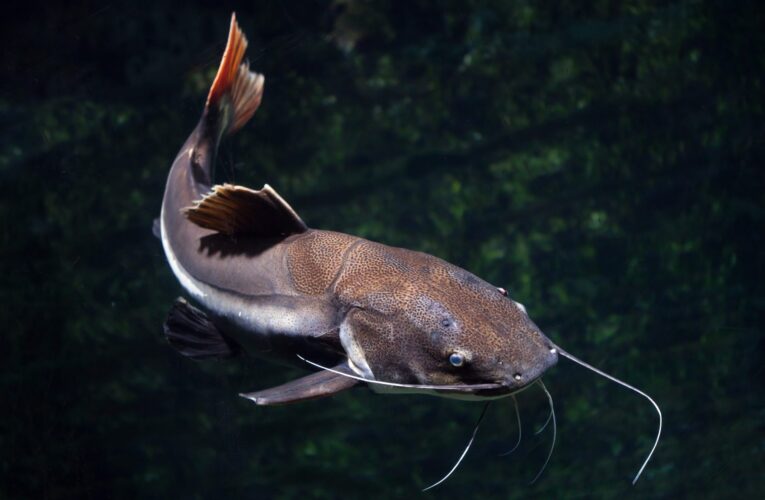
235 84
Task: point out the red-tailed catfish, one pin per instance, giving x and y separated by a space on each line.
263 281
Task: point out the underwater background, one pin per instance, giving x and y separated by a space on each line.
601 160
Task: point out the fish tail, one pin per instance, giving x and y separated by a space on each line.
236 91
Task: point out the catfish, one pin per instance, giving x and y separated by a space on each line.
261 281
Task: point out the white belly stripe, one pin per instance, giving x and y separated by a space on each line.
247 314
190 284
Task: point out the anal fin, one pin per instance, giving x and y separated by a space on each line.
316 385
194 335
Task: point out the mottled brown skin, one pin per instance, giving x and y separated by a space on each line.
410 311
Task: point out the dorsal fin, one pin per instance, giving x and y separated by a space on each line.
231 209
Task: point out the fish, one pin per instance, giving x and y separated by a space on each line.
357 312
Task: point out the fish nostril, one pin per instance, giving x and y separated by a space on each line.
551 348
552 357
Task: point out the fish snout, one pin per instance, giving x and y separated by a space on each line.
524 373
548 355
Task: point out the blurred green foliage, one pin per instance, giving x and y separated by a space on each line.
602 160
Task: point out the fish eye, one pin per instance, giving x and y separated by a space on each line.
456 359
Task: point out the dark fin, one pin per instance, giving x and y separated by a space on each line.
236 90
192 333
156 229
231 210
317 385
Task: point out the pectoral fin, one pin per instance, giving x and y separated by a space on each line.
316 385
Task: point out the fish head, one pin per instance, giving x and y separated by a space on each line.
446 328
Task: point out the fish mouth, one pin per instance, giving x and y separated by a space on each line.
469 392
487 390
468 387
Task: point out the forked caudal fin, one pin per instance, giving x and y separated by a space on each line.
236 91
628 386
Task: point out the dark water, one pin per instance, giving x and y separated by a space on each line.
603 162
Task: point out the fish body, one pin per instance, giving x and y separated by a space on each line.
265 282
363 312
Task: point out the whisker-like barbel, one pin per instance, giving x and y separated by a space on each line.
555 431
544 426
464 452
628 386
520 431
